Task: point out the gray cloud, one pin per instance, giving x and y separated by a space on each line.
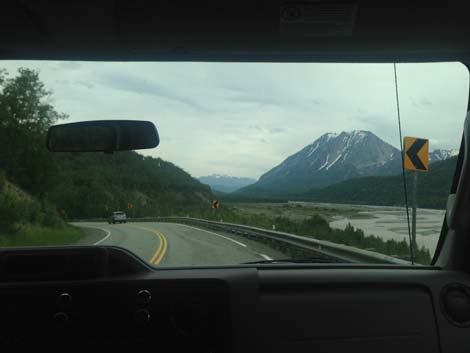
277 130
420 102
254 94
70 65
86 84
138 85
319 101
255 127
385 127
256 99
264 93
267 130
274 98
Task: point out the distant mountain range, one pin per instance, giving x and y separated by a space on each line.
225 183
441 155
332 159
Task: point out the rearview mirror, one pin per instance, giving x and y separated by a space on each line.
102 136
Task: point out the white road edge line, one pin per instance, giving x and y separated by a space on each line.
266 257
203 230
108 233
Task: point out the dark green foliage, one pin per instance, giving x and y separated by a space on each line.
433 188
18 209
42 236
317 227
95 184
81 185
25 115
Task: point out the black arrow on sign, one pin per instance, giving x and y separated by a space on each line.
412 153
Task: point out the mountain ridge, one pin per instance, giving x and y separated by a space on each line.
330 159
442 154
225 183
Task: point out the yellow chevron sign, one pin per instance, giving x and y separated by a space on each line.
416 154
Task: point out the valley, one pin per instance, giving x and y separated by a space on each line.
385 222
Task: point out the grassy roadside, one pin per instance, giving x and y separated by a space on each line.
313 221
297 212
42 236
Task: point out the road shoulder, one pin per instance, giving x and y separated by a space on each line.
92 236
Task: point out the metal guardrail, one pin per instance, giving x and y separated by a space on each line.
293 244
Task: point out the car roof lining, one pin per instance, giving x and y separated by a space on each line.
243 30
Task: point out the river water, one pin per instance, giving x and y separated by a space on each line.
391 222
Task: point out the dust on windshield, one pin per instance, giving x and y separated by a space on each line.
257 162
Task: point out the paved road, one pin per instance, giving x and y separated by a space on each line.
170 244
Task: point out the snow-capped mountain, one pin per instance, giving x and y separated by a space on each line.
330 159
440 154
225 183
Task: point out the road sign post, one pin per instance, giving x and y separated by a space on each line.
413 216
415 159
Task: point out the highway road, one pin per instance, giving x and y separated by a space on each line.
170 244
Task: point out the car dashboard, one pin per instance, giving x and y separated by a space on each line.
106 298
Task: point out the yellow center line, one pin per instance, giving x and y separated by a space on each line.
162 246
159 249
160 257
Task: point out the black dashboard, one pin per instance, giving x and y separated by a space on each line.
106 298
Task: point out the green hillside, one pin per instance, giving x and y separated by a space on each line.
78 185
88 185
433 188
24 221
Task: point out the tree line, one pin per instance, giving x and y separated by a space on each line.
77 185
433 190
318 227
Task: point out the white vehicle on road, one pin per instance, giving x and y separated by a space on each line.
118 217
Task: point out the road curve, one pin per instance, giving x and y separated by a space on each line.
170 244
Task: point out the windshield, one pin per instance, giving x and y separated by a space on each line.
256 162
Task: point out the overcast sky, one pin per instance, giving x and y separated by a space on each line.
243 119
